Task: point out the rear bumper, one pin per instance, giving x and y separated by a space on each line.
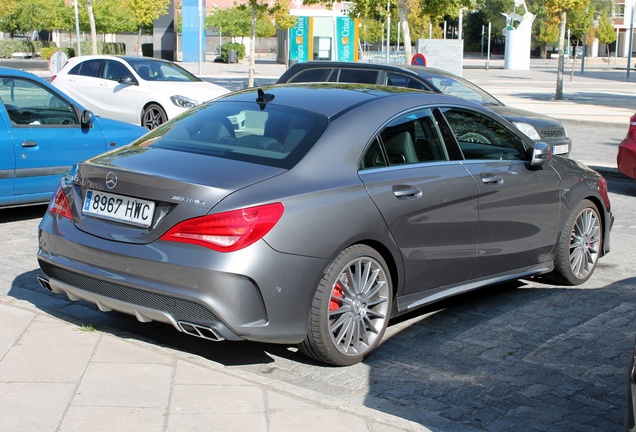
261 295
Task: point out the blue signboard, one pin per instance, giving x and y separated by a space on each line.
299 40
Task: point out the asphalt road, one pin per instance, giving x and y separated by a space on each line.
522 356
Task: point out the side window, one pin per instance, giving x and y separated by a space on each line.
374 156
89 68
399 80
115 71
359 76
481 137
31 105
412 138
314 75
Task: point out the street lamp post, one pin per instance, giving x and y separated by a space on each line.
631 42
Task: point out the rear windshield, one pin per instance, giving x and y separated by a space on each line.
275 135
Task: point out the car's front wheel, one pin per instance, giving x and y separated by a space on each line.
152 116
351 307
580 246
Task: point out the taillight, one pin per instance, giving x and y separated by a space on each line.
227 231
632 127
59 204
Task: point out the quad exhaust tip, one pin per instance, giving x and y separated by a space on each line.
44 282
201 331
198 330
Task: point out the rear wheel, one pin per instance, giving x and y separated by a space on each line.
580 246
152 116
351 307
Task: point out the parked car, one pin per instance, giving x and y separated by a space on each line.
141 90
312 214
626 158
539 127
43 133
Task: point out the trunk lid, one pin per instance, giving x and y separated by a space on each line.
188 186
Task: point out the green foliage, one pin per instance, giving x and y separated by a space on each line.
225 51
580 19
144 12
9 47
233 22
548 34
605 32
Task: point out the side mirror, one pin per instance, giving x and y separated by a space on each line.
87 117
541 154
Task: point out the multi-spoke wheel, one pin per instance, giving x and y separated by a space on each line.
580 246
153 116
351 308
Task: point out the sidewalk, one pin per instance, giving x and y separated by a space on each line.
58 376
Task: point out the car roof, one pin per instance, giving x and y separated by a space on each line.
333 99
359 65
8 71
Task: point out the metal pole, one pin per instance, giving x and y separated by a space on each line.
631 43
583 58
388 31
199 32
482 40
488 57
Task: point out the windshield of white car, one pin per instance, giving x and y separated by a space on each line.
160 71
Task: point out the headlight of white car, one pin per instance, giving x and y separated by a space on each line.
183 102
528 129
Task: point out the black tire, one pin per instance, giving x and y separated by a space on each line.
579 247
351 308
153 116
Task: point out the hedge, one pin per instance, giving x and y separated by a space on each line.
238 47
10 47
46 48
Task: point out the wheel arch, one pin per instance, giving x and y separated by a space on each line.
606 224
393 263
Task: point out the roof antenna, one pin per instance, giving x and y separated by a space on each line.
263 98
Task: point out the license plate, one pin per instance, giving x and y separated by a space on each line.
119 208
560 149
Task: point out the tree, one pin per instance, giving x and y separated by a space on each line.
579 23
557 9
605 32
233 22
143 13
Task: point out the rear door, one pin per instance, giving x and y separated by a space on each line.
428 201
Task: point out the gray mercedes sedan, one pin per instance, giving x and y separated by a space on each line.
313 214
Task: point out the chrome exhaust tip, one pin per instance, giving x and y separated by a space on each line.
201 331
44 282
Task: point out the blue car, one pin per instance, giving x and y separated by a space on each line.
43 133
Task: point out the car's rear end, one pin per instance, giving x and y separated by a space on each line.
626 158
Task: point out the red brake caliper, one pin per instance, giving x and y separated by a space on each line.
336 294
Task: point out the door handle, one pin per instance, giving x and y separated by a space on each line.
406 192
491 179
29 143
